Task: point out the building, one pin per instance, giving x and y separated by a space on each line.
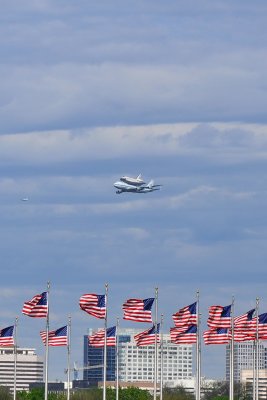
243 358
136 364
29 368
247 378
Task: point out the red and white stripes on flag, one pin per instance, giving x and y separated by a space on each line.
186 316
147 337
6 337
217 336
184 335
37 307
58 337
94 304
138 310
219 317
246 322
98 338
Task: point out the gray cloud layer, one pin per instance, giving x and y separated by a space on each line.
73 65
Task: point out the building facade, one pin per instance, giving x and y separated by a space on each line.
29 368
247 377
244 358
136 364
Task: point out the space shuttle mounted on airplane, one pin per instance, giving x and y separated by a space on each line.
138 181
134 185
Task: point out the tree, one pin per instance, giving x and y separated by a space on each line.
177 393
4 393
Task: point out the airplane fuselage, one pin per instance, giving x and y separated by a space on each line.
125 187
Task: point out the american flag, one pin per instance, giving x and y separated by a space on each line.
219 317
138 310
242 337
246 322
37 307
217 336
94 304
186 316
98 338
250 329
6 336
262 326
58 337
186 336
148 336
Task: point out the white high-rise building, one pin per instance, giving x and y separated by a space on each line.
137 363
243 358
29 367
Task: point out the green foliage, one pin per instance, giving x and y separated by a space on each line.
38 394
5 394
133 393
34 394
88 394
130 393
177 393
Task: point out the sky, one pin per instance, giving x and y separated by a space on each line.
91 91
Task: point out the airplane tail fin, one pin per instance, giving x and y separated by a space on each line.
150 184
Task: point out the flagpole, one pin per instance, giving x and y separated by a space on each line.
198 351
117 360
105 344
15 359
46 344
156 345
69 350
231 386
257 352
161 357
254 363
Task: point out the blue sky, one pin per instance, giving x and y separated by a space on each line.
91 92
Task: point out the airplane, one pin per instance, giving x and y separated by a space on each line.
138 181
125 187
25 199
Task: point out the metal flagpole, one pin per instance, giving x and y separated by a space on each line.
156 345
231 386
161 357
69 349
105 344
46 343
117 360
198 351
254 362
15 358
257 352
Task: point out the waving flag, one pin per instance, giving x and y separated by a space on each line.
219 317
148 336
262 326
98 338
186 316
246 323
242 337
217 336
6 336
186 336
138 310
94 304
59 337
37 307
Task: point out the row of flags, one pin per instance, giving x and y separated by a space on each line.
222 328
